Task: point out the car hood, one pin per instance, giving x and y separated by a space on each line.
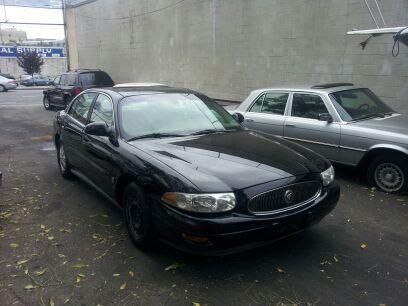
396 123
234 160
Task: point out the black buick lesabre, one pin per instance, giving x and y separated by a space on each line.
186 172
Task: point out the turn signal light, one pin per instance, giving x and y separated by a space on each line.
195 239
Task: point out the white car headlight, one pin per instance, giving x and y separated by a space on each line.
205 203
327 176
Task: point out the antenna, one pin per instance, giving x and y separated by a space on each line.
379 12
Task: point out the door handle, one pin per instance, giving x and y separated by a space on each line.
290 125
249 120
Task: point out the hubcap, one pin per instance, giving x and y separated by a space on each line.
46 102
62 158
135 215
389 177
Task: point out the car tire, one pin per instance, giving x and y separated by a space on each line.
46 103
138 217
63 165
389 173
3 88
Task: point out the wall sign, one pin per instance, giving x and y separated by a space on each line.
6 51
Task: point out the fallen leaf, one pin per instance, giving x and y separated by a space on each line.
131 274
41 272
335 258
173 266
51 238
363 246
29 287
81 275
42 226
116 275
123 286
66 301
79 265
280 270
196 304
13 245
64 230
22 262
78 279
52 302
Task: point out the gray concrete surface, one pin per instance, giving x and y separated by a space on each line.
226 48
67 244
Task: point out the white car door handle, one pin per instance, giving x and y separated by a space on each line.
249 120
290 125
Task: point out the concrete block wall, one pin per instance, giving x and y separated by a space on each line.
226 48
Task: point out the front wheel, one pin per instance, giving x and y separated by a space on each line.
138 217
63 165
46 103
389 173
3 88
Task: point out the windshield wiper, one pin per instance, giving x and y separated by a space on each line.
155 135
374 115
206 131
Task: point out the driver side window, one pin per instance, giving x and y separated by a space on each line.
307 106
57 80
80 107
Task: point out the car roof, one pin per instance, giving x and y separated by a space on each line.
319 89
128 85
143 90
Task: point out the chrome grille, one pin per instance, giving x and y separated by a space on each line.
278 200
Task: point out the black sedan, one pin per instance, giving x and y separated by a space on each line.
186 172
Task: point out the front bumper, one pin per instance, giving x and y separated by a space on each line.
237 232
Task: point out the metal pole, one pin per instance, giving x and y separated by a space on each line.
64 13
371 13
379 11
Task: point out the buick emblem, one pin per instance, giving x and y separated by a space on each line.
289 196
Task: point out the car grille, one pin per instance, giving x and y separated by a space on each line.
278 200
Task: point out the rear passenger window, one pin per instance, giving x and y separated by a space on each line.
275 103
307 106
81 106
71 80
98 78
271 103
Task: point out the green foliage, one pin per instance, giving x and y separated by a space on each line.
30 62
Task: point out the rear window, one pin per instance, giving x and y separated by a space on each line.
97 78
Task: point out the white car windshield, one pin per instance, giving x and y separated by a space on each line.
357 104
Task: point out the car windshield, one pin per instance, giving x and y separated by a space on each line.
172 114
357 104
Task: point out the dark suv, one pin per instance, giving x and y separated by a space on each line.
68 85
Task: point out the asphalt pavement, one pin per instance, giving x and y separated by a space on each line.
61 243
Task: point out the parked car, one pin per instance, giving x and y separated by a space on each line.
345 123
66 86
6 84
7 76
37 80
185 171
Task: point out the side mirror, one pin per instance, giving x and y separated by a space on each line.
238 117
325 117
98 129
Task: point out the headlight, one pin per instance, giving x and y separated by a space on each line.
327 176
206 203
